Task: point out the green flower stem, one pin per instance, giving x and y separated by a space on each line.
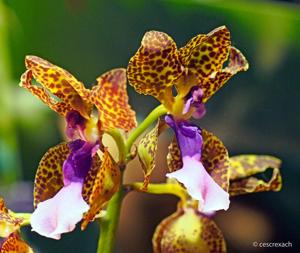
25 217
165 188
157 112
119 139
109 223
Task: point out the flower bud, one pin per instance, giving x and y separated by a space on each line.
188 231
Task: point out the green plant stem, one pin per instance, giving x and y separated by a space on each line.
164 188
157 112
109 223
25 216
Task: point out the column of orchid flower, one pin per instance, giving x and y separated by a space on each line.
79 180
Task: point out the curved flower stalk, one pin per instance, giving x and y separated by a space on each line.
71 175
10 224
158 66
189 231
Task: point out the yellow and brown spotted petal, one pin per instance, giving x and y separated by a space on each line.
242 166
14 244
105 185
8 222
155 66
49 177
147 149
60 83
237 63
111 99
189 232
215 159
253 184
59 107
209 55
174 160
90 178
186 51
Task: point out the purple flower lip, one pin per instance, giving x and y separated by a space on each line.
188 136
79 162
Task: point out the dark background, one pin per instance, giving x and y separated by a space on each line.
258 112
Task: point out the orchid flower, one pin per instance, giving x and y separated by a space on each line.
10 225
196 71
158 65
72 182
188 230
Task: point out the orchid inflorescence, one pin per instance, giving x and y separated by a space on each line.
80 180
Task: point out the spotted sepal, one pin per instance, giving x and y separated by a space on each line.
174 160
186 51
155 66
90 178
105 185
243 171
14 244
206 54
188 231
111 99
215 159
60 83
147 149
40 92
49 177
9 223
237 63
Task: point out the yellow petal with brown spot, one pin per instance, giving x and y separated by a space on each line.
14 244
111 99
49 177
90 178
59 107
155 66
174 160
60 83
147 149
207 54
215 159
244 168
187 231
186 51
105 185
8 222
237 63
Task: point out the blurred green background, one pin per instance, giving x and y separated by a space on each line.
258 112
